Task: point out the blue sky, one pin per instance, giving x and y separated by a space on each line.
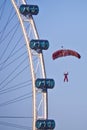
62 23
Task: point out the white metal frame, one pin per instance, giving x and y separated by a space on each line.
44 99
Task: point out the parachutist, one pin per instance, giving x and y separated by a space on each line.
66 77
64 53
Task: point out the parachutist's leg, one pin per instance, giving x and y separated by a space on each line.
67 79
64 79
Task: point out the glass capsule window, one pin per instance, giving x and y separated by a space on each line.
44 83
39 44
29 9
45 124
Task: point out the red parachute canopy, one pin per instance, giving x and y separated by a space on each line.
65 52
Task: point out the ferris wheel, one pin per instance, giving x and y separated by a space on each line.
35 47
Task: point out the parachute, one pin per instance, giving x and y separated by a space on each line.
65 52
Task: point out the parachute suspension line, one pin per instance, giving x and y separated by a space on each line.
30 59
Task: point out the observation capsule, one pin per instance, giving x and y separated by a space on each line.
43 124
29 9
44 83
39 44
